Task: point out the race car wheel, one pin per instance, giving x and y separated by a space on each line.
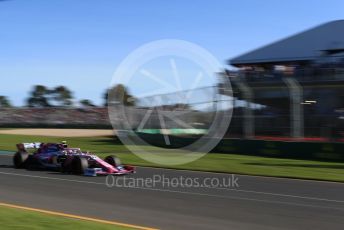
66 165
19 159
79 165
113 160
32 163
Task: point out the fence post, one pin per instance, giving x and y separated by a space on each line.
296 112
249 129
247 93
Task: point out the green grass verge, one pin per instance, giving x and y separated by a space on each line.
17 219
215 162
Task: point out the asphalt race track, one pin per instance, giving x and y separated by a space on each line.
259 202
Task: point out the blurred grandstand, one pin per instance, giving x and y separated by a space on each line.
292 88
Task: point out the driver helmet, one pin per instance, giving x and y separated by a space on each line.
64 144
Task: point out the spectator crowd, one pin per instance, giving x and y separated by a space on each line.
54 116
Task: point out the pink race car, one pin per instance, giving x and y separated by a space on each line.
58 156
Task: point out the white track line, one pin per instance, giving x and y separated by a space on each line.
267 193
228 189
217 188
183 192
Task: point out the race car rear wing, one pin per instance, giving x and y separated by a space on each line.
25 146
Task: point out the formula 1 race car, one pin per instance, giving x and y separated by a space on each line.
57 156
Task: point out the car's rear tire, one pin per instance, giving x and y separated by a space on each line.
79 165
113 160
20 159
32 163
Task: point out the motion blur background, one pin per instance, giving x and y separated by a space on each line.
57 60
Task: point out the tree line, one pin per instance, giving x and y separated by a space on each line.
41 97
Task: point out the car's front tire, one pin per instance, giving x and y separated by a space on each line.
79 165
113 160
